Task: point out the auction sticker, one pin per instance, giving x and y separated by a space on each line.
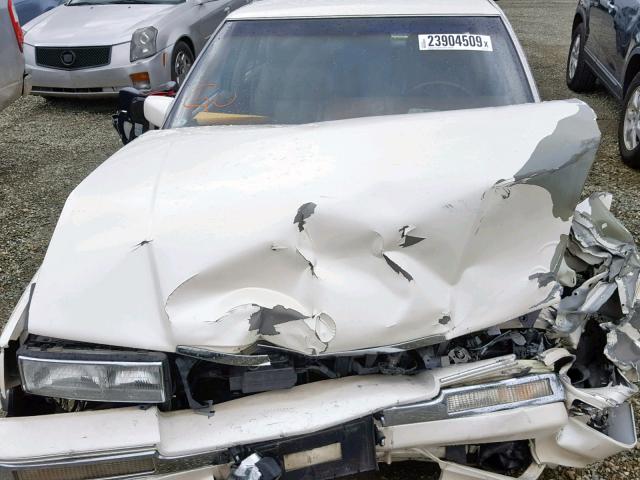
455 41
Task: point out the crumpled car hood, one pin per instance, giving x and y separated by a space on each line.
85 25
325 238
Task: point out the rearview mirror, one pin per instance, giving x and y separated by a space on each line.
156 109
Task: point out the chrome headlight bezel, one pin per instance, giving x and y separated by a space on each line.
105 365
143 43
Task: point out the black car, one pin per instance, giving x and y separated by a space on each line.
605 46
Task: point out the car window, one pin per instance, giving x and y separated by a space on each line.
312 70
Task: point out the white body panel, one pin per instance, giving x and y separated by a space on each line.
364 8
167 251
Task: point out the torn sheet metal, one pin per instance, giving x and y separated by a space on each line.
602 249
320 239
602 398
623 345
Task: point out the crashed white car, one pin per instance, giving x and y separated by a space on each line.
313 267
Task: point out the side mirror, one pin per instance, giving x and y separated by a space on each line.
156 109
129 120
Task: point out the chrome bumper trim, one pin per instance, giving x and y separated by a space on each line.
77 460
436 409
162 465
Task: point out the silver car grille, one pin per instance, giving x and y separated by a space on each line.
73 58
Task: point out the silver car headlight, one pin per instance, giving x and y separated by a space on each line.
143 43
132 378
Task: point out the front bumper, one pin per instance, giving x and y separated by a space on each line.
105 81
189 445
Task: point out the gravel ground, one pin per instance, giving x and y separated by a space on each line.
48 147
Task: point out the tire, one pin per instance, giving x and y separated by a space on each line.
579 76
629 125
181 62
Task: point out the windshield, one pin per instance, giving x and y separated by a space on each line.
301 71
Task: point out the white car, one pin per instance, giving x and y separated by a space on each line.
325 259
94 48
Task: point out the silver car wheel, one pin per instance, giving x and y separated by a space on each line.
574 56
631 127
181 66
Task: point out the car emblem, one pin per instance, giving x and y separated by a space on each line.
67 58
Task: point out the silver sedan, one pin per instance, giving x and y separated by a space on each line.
97 47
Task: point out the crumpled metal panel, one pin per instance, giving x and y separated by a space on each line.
323 238
599 243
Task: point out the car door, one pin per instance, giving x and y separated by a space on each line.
610 30
210 14
625 22
602 34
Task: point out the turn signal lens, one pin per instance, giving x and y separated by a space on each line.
141 80
498 395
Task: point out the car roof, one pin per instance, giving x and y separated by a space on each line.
362 8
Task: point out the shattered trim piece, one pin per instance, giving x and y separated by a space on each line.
600 246
237 360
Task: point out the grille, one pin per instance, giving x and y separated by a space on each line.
37 89
73 58
125 466
90 471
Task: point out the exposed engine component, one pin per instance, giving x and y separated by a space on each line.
507 458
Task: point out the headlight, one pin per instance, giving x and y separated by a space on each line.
143 43
135 378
